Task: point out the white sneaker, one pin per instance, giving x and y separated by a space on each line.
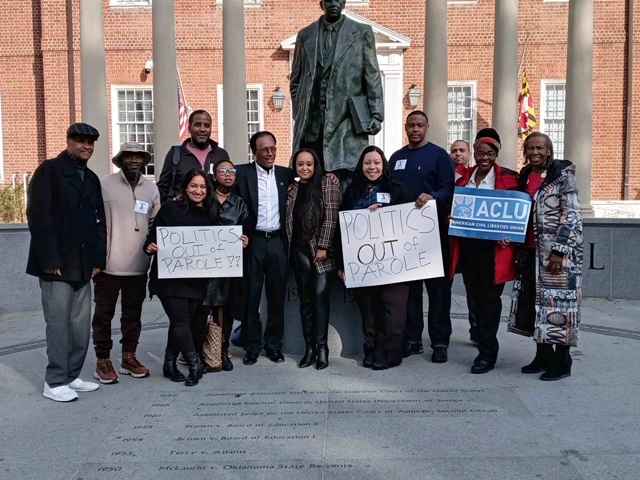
59 394
83 386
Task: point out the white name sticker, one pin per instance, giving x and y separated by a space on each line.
383 198
400 164
141 207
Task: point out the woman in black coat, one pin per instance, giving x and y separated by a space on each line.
224 295
182 297
383 308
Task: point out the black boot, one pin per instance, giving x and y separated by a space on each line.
309 357
560 366
322 361
367 361
194 364
170 368
541 362
202 366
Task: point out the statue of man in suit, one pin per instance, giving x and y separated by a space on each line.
336 90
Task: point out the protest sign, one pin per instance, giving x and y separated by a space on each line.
399 243
199 252
490 214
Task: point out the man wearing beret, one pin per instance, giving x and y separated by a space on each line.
131 201
68 247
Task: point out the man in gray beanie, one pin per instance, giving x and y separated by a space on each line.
130 203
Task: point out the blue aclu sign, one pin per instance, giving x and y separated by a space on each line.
490 214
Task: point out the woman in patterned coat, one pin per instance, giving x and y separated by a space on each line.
547 293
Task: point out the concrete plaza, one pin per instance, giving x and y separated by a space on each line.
420 420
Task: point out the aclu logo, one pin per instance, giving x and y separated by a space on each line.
472 207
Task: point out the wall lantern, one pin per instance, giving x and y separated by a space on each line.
278 99
415 95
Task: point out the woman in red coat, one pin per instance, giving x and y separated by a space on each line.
486 265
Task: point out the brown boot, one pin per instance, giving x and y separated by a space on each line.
104 371
131 366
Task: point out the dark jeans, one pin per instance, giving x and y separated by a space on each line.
438 318
67 314
314 291
384 315
187 324
107 288
266 260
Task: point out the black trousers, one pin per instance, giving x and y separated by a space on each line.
266 260
107 288
384 315
187 324
314 291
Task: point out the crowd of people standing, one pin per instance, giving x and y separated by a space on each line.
84 228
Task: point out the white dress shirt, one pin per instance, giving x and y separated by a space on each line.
487 183
268 202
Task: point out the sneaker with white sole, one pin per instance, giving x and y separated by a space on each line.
83 386
59 394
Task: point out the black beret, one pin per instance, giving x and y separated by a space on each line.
80 129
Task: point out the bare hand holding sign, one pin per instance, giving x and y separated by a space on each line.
399 243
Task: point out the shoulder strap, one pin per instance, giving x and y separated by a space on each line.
176 156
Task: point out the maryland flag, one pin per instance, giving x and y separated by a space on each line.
527 121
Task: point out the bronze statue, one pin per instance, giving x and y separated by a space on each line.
336 88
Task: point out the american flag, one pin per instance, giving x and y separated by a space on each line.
183 112
527 121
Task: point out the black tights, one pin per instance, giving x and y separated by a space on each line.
187 324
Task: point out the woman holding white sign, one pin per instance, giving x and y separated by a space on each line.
548 291
383 308
312 216
486 265
182 297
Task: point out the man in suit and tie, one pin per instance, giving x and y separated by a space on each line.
263 186
336 89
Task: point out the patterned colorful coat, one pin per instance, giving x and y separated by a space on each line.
557 227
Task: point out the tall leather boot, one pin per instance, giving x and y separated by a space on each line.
310 354
561 365
542 360
193 362
322 361
170 368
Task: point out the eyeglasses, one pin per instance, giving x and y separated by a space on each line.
227 171
486 154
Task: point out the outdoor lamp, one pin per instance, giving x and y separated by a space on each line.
278 99
414 96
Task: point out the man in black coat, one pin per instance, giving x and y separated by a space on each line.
263 186
198 151
68 246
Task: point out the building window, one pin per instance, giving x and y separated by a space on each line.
552 114
247 3
255 114
132 119
461 111
129 3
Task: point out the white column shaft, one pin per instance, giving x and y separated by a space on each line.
436 71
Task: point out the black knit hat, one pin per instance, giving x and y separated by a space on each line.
82 130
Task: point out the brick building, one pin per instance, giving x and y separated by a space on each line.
40 72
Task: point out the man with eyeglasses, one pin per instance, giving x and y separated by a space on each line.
263 186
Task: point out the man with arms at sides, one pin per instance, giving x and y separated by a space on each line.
460 153
68 247
425 170
198 151
263 186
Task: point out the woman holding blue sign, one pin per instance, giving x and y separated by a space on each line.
182 297
312 217
486 265
548 290
383 308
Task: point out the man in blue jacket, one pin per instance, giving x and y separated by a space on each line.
426 170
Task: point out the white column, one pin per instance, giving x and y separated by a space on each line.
579 100
436 71
505 80
94 81
234 81
165 80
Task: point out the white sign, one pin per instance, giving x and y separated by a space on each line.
199 252
393 244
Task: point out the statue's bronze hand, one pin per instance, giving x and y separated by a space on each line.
374 126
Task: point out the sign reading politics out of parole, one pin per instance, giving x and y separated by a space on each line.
399 243
199 252
490 214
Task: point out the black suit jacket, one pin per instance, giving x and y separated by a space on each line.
247 188
66 221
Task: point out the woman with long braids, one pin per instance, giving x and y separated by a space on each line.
548 290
